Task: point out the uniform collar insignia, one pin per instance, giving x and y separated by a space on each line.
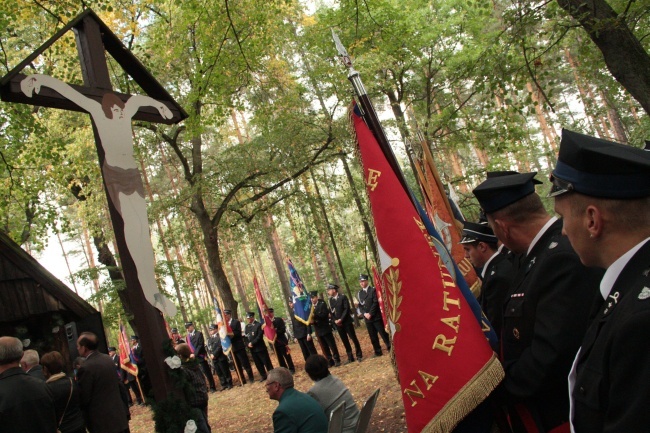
645 294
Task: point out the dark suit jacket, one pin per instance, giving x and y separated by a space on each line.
100 398
495 287
37 372
237 339
321 319
340 307
612 389
545 318
368 303
26 404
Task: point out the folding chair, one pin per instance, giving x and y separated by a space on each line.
366 413
336 419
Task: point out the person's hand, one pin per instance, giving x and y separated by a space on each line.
192 355
164 111
367 315
29 85
250 345
308 337
338 321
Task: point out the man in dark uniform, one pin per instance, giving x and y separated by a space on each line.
494 267
281 344
195 340
240 357
369 306
302 333
323 327
176 337
602 191
143 375
340 308
546 311
257 346
219 359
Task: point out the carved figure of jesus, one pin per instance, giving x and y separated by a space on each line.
113 121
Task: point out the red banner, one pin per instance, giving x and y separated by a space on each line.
445 365
267 324
126 362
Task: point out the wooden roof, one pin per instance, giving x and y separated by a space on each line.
28 289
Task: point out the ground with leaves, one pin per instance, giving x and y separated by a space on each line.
248 409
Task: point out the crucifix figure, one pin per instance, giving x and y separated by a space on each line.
112 117
112 113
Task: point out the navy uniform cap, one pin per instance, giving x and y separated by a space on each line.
174 330
363 277
111 349
212 326
477 232
227 312
498 192
332 286
188 324
134 337
250 314
270 310
600 168
313 293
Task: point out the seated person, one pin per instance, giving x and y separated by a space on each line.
297 412
329 391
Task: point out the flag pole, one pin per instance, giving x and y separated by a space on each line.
369 114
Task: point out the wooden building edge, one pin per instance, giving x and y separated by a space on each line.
39 309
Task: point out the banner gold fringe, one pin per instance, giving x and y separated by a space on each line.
468 398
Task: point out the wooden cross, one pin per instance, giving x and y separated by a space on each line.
93 38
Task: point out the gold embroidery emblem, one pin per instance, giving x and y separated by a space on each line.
372 181
393 287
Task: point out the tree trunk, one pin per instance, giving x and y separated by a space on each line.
362 212
623 53
276 253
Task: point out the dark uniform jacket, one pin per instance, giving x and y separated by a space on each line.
612 388
100 398
280 331
26 404
545 318
340 307
300 330
321 319
198 343
495 287
237 339
214 347
368 303
255 336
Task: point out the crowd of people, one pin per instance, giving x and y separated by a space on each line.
569 297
